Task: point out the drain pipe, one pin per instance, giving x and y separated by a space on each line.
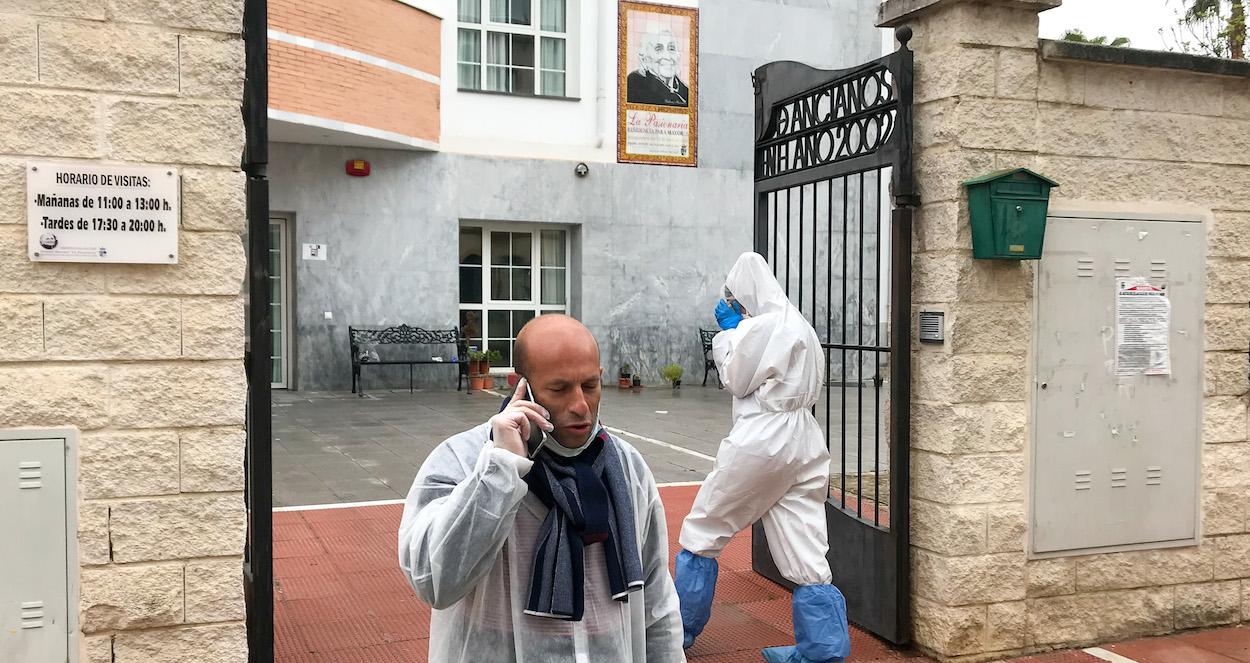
258 463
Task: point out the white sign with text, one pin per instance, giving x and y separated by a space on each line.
315 252
80 212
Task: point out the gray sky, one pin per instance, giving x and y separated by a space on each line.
1139 20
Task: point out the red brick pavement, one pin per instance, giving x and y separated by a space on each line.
339 597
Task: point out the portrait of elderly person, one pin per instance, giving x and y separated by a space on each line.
656 81
547 551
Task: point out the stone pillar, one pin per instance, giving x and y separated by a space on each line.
987 97
144 360
975 110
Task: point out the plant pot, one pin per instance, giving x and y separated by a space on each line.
676 384
475 367
485 366
513 379
477 382
623 383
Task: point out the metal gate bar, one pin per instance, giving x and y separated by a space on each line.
866 284
258 459
840 131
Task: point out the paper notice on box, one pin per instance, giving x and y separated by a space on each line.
1143 321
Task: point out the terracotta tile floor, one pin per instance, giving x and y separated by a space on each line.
1230 645
339 597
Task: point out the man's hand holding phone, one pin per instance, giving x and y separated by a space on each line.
513 426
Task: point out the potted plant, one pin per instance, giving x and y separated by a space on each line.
478 382
637 382
491 356
625 377
672 373
513 379
475 363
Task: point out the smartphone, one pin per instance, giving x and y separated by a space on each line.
537 435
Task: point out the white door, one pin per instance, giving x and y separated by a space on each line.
279 299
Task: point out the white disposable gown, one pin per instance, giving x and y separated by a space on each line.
466 543
774 464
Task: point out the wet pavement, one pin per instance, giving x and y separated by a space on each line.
339 448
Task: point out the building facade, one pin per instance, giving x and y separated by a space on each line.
495 189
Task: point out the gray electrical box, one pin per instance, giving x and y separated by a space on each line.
1117 416
38 574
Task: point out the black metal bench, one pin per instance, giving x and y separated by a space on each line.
705 337
364 342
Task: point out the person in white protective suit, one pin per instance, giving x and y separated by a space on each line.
773 466
542 551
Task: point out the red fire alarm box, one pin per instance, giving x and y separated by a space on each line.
357 167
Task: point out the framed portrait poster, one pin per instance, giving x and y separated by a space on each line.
657 83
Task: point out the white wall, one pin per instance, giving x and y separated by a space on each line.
516 126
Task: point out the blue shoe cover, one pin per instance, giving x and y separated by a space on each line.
820 629
696 583
782 655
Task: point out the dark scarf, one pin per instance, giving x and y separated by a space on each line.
589 502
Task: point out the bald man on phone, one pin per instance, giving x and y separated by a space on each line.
551 552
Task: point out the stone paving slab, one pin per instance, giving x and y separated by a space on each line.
338 447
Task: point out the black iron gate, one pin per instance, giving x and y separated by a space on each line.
258 465
834 194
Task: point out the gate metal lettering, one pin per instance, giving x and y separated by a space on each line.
834 198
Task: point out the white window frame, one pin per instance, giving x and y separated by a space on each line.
534 303
283 350
534 30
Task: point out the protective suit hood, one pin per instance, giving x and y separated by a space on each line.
773 359
754 286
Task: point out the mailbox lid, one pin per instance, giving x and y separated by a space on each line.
1020 188
1011 175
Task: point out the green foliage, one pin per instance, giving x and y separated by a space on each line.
671 373
1079 37
1215 28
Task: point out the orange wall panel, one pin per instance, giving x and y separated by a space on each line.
311 82
387 29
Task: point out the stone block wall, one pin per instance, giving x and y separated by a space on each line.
145 360
989 95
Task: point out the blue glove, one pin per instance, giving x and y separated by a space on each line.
726 316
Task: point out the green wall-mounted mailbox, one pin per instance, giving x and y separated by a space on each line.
1008 213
